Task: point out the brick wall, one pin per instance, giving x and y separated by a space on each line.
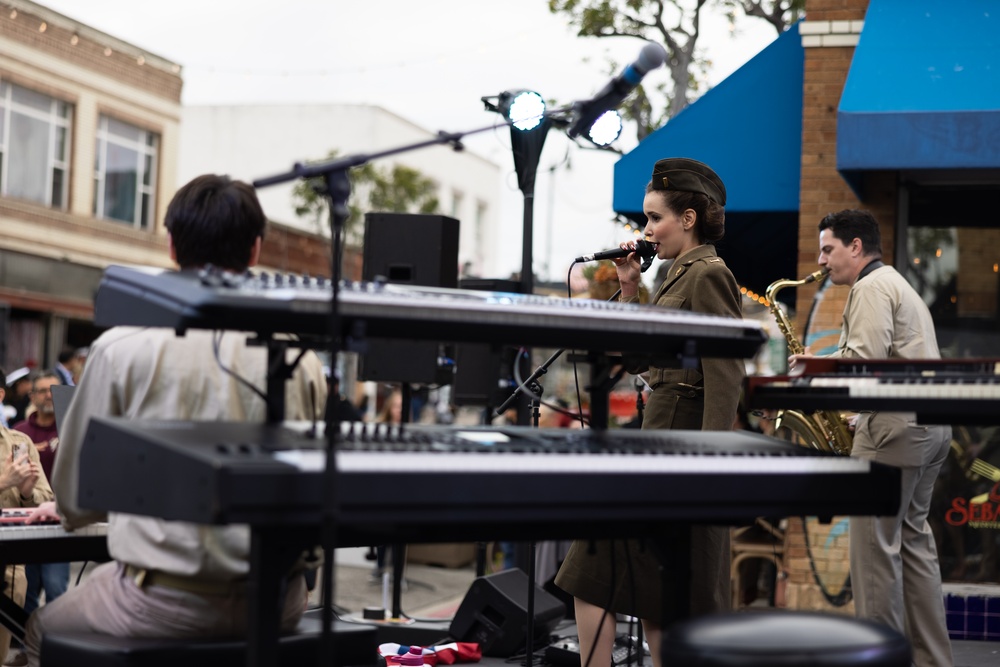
84 47
824 560
835 10
823 190
293 251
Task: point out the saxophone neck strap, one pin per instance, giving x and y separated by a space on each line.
872 265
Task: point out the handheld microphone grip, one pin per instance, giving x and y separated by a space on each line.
643 250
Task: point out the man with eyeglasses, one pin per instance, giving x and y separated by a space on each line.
40 426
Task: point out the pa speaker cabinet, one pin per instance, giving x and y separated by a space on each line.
484 373
494 613
409 249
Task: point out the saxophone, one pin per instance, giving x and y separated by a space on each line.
821 430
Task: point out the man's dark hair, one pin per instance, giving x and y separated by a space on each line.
851 224
215 220
66 355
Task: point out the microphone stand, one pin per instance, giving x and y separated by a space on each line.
533 389
640 405
337 187
526 387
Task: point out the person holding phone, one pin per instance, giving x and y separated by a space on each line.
22 484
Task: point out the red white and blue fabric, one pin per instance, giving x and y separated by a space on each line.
443 654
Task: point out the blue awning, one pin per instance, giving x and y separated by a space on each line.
923 91
748 128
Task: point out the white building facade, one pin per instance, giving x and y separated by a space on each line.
253 141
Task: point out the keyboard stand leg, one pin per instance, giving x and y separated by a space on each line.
273 551
673 549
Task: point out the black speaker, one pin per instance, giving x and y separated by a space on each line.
494 613
483 372
409 249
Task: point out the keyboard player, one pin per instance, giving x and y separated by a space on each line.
171 579
893 558
22 484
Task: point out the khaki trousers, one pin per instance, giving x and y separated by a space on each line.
895 574
111 603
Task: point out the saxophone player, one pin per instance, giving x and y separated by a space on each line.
685 216
895 574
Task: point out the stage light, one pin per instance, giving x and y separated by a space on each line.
606 129
525 109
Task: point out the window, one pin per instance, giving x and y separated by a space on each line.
34 145
456 204
951 257
125 173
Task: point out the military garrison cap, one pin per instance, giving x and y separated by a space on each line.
687 175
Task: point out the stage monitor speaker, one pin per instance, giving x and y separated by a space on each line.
483 372
409 249
494 613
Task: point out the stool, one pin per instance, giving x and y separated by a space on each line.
355 645
784 639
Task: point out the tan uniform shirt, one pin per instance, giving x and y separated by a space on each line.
700 281
12 497
154 374
886 319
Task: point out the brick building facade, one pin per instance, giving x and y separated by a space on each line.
87 168
911 203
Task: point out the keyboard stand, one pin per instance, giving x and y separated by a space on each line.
12 615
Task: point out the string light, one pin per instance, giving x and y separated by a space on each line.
74 40
756 298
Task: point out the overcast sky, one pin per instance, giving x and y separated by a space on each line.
428 61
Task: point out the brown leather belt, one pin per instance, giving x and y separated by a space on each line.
143 578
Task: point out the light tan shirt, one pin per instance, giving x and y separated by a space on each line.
884 318
11 497
154 374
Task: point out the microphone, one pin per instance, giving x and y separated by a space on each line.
651 57
643 249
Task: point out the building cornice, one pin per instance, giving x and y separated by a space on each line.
830 33
64 38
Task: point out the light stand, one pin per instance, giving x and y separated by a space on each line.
265 540
529 125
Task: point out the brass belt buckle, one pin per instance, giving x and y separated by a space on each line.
139 577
